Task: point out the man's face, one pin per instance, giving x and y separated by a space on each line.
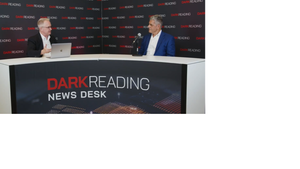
153 27
46 29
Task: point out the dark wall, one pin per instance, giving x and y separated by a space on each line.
102 26
75 21
185 20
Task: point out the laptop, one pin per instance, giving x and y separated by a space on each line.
60 50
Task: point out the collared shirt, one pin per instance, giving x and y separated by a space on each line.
152 44
46 41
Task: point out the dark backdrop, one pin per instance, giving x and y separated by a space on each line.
185 20
73 21
102 26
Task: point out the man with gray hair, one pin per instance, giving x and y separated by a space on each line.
40 44
157 43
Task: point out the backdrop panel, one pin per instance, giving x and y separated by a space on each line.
102 26
185 20
75 22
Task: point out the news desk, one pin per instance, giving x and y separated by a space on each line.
103 84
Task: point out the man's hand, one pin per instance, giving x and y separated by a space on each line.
45 50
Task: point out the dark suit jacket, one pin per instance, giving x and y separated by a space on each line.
35 45
165 45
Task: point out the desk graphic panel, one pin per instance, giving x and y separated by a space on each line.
104 86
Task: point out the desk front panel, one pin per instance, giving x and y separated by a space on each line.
103 86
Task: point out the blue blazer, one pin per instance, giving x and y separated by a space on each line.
165 45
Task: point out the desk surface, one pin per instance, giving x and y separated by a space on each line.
164 59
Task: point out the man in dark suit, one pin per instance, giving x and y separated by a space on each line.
157 43
40 44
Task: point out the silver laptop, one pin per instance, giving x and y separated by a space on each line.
60 50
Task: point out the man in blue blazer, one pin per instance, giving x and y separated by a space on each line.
157 43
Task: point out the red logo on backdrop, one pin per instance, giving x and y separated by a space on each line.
6 52
70 38
49 17
4 16
11 28
126 27
32 28
87 18
111 46
87 37
93 27
169 26
59 28
77 28
57 7
191 1
22 40
181 14
35 6
110 8
190 50
182 38
94 46
69 17
4 3
187 27
13 52
103 18
136 16
167 4
110 27
77 47
126 7
142 27
24 17
161 15
118 36
76 8
93 9
191 26
103 36
10 4
118 17
126 46
145 6
5 40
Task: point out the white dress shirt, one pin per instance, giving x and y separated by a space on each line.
46 41
152 44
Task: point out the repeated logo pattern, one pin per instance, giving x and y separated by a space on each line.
185 20
102 26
